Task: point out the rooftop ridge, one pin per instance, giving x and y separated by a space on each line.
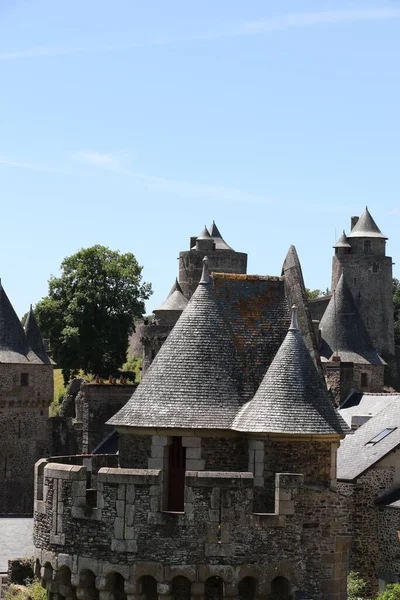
247 277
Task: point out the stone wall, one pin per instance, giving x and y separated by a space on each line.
85 537
23 432
376 548
220 261
95 404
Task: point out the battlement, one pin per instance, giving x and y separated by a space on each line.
118 506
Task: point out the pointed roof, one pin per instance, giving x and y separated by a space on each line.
14 347
292 398
343 330
366 227
342 242
175 299
204 234
191 382
34 337
220 243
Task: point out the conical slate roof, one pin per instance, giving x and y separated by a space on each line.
14 347
292 398
204 235
191 382
343 331
342 242
366 227
220 243
34 337
175 300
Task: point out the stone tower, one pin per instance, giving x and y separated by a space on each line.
26 390
361 257
222 259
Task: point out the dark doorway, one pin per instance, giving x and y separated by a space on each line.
176 475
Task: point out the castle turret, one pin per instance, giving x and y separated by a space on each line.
222 259
26 390
350 360
361 257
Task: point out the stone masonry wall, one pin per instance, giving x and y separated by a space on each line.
218 535
23 432
95 404
375 548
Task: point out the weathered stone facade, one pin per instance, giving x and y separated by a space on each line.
23 431
112 524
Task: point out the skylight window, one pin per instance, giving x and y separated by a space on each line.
380 436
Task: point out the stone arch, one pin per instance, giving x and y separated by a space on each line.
181 588
214 588
281 589
87 586
63 579
247 589
37 568
116 585
148 588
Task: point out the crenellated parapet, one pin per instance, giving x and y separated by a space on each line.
100 527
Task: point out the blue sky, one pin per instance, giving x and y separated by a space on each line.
132 124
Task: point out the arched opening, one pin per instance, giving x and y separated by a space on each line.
247 588
148 588
181 588
116 585
281 589
63 578
87 582
214 588
176 475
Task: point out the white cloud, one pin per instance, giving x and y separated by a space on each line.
99 159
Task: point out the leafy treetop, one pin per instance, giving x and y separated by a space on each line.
90 310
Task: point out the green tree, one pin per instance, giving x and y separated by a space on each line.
90 310
312 294
392 592
355 586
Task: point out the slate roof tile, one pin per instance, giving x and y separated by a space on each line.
343 331
292 397
366 227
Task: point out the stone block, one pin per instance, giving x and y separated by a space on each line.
129 514
256 445
163 588
191 442
159 440
156 463
119 528
121 491
120 508
130 493
195 464
157 452
213 515
193 453
129 533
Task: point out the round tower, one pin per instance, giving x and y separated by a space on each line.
222 259
361 257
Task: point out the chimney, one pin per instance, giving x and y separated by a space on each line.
353 221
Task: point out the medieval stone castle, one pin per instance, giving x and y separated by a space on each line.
221 475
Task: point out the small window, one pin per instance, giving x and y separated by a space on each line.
380 436
364 380
24 379
367 247
375 268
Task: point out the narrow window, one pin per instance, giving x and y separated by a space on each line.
176 475
375 268
367 247
24 379
364 380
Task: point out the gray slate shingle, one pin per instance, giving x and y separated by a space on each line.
366 227
191 382
355 455
343 330
292 397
